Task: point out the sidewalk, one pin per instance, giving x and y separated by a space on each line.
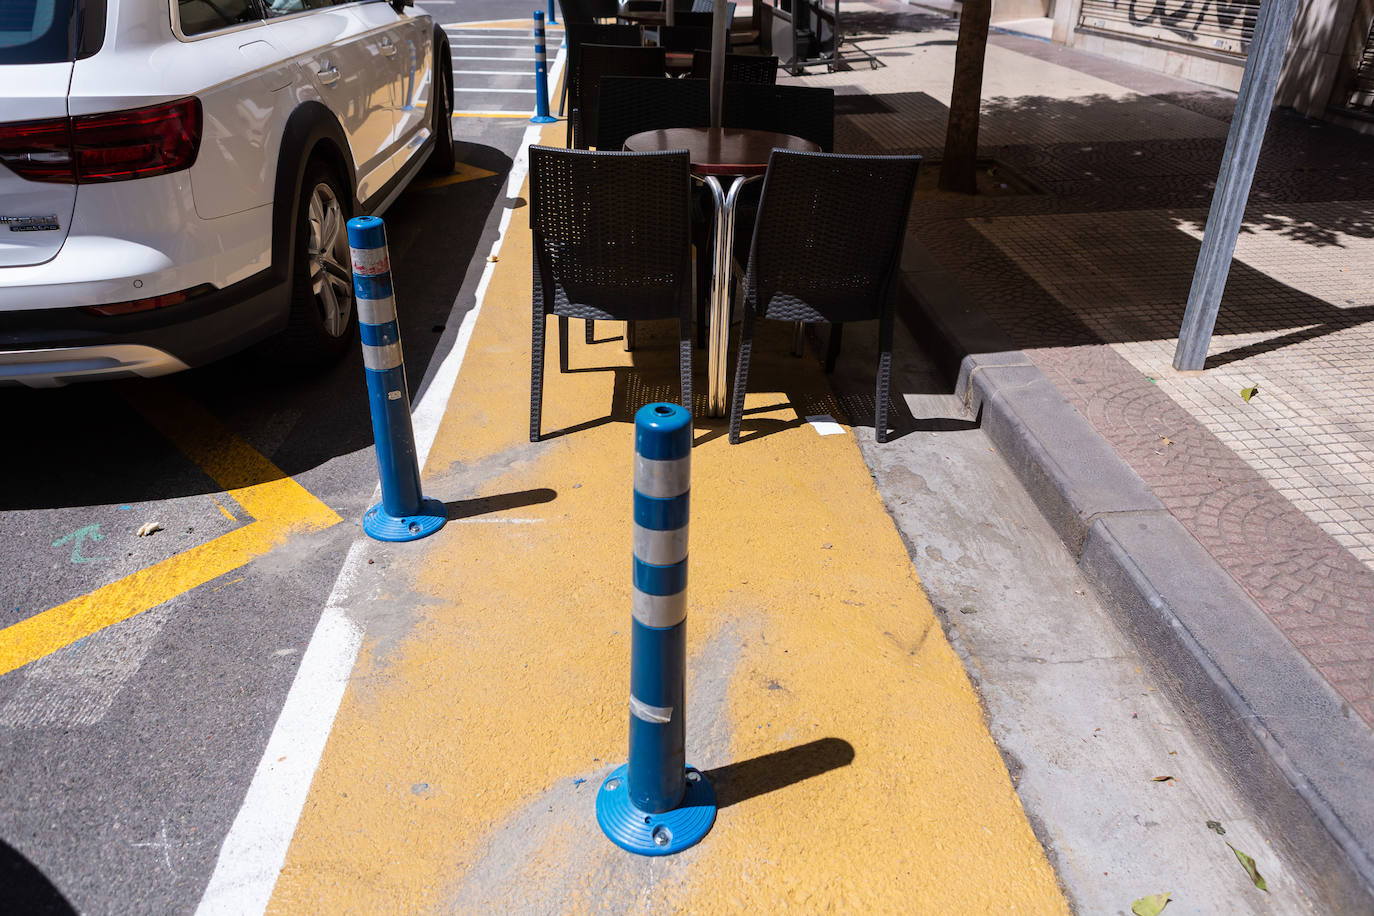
1235 537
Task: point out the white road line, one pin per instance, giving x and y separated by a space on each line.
254 850
466 57
491 89
518 47
491 72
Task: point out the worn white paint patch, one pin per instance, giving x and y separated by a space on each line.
824 424
77 685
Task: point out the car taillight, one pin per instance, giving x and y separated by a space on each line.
105 147
147 305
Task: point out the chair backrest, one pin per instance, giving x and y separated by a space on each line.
587 11
739 68
802 111
594 33
606 60
684 37
612 233
630 104
828 235
702 19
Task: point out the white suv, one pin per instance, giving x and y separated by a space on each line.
175 175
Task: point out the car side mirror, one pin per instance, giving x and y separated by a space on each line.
400 5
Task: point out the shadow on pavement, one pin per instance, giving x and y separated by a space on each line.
484 505
738 782
25 889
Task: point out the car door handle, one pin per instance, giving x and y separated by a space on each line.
388 47
329 75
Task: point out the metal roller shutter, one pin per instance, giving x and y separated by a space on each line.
1362 96
1219 26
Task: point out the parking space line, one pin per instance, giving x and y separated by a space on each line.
280 507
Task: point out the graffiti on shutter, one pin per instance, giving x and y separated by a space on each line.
1220 26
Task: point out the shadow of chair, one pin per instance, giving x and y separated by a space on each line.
611 241
825 249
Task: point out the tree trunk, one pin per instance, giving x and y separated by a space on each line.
959 171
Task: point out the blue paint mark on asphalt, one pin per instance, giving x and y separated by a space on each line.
78 538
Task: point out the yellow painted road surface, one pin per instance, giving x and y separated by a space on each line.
847 746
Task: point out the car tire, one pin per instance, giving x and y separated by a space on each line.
441 158
323 318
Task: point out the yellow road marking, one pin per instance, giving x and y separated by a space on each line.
282 508
461 172
808 634
225 512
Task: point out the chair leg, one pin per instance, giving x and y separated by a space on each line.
884 375
832 348
629 335
591 332
798 338
536 374
746 344
562 344
684 361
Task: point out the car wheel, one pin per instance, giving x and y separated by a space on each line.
441 158
323 319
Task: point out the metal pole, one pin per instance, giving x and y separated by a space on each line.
1262 65
719 28
655 804
553 17
541 74
404 514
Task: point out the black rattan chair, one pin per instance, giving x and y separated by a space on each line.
684 37
578 34
739 68
598 61
585 11
610 242
630 104
802 111
825 248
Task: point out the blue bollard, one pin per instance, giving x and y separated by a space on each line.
553 19
655 804
541 74
404 514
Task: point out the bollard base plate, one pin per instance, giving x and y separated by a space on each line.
382 527
543 119
655 834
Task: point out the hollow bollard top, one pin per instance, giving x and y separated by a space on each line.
366 232
663 431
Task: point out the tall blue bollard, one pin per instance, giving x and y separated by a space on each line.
656 804
553 18
541 74
404 513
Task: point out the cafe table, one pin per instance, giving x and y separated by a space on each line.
717 152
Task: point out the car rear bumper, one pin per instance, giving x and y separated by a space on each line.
52 347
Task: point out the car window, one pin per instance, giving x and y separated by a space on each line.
200 16
35 31
287 7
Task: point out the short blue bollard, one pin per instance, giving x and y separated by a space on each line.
404 514
541 74
553 18
656 804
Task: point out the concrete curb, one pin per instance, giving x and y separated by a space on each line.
1287 739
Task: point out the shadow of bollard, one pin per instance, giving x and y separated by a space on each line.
737 782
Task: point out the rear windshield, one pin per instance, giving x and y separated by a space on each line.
36 31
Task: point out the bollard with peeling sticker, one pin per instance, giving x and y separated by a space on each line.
655 804
404 514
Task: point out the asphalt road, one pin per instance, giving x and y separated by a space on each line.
126 754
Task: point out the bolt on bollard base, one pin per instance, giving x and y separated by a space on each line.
655 804
383 527
404 514
648 834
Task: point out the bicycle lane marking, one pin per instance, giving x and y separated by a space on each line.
280 507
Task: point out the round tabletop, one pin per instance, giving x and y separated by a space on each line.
720 150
